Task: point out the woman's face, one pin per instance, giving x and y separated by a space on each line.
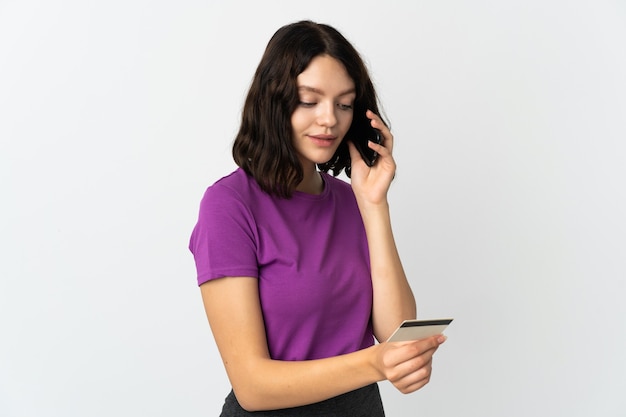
324 113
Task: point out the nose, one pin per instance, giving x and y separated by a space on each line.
326 115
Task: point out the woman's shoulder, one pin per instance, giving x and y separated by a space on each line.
336 185
235 188
233 179
235 183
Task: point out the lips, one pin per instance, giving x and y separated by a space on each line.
323 140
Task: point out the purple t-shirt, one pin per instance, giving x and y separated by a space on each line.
309 254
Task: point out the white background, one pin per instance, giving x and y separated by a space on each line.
509 202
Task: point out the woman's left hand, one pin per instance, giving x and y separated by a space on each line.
370 184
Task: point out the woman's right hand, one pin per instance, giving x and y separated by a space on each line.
407 365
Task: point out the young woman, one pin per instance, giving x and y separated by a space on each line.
298 270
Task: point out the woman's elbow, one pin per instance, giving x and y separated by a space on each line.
249 400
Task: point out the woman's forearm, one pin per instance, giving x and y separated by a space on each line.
393 298
269 384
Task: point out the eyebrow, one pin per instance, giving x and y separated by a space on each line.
318 91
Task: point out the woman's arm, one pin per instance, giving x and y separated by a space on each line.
393 298
260 383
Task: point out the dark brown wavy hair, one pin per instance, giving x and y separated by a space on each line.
263 146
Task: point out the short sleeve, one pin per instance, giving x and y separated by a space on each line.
223 240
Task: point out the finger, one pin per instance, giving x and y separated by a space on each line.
417 347
408 386
415 372
409 367
414 378
405 361
433 341
355 156
380 148
400 352
376 122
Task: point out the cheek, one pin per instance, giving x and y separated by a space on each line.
346 122
297 120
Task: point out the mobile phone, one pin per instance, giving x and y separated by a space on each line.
360 135
419 329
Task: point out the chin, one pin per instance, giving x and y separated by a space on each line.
324 160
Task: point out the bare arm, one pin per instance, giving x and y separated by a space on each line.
393 298
261 383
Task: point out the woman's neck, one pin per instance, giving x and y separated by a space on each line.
312 183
